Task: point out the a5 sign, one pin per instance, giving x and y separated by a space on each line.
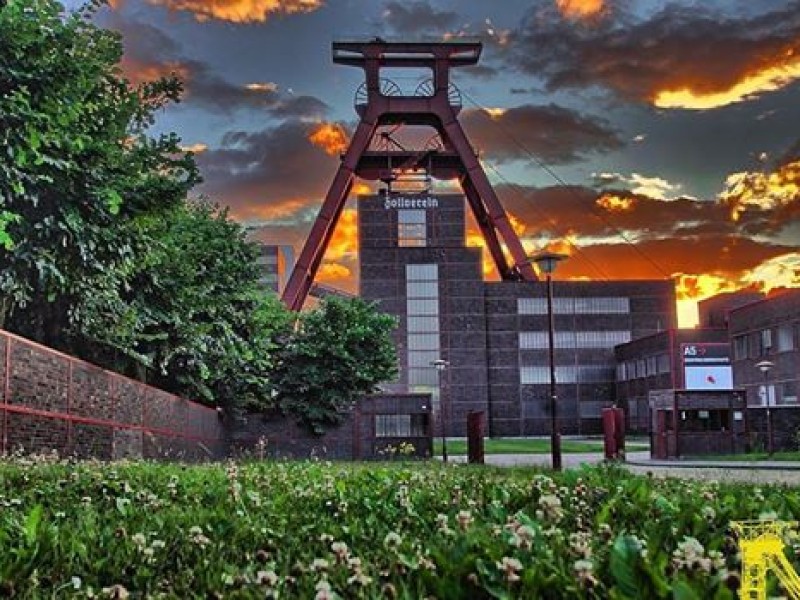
706 366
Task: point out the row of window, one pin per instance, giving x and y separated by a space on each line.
412 228
538 340
575 306
401 425
567 374
643 367
782 338
782 393
422 331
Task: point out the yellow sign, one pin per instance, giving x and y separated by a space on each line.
761 543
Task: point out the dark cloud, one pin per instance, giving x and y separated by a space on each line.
680 47
413 18
552 133
274 173
301 107
151 53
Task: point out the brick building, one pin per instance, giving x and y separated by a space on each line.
768 330
674 359
414 262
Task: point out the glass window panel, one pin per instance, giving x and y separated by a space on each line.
392 425
423 341
785 338
427 377
422 289
423 324
789 392
411 216
422 272
663 363
422 358
422 307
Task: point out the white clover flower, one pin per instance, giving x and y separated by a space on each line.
392 540
139 539
464 519
266 578
320 564
510 568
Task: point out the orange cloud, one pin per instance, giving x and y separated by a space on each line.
344 242
138 72
614 203
197 148
262 87
580 9
331 137
240 11
771 74
762 191
332 272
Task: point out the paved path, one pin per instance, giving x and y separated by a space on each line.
639 462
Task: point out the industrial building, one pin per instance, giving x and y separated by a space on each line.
493 334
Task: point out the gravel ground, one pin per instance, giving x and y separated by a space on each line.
747 473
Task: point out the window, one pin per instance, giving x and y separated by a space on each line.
765 337
400 425
740 347
663 363
570 306
422 336
785 338
538 340
411 228
789 392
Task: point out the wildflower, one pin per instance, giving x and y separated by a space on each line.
359 579
139 539
117 592
510 568
320 564
392 540
340 550
550 505
583 572
197 537
266 578
324 591
354 563
464 519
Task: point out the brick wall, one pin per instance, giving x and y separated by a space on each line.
51 401
279 437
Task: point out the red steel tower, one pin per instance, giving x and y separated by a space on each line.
436 104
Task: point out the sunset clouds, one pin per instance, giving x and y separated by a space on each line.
673 124
239 11
690 57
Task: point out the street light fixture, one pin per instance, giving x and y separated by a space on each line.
547 262
764 366
441 364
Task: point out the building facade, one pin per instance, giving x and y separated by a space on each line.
768 330
493 335
674 359
274 264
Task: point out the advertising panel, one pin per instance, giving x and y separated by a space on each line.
707 367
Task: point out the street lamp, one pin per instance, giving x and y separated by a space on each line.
441 364
764 366
547 262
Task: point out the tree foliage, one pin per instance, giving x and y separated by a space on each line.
195 319
76 164
339 352
102 256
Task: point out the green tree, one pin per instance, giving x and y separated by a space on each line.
196 320
76 165
339 351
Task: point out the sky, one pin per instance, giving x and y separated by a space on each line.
645 139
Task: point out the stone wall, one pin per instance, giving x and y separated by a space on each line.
51 401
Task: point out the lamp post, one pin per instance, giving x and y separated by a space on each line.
547 262
441 365
764 366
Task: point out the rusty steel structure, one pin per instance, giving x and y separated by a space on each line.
371 155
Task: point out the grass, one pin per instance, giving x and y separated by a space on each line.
399 531
528 446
